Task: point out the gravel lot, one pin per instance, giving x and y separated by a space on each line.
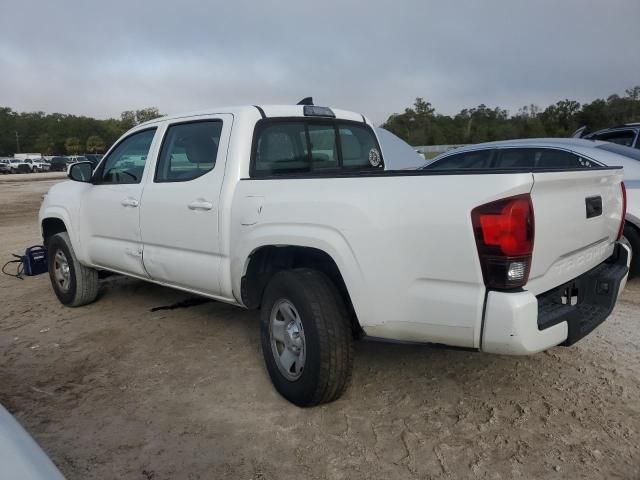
115 390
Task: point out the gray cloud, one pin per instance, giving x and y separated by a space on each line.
99 58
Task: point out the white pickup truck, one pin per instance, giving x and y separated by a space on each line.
290 210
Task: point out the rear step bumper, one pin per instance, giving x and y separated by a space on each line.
519 323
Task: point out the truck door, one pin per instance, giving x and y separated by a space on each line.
180 206
110 213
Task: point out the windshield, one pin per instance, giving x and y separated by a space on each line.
629 152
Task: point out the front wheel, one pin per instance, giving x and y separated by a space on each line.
73 283
306 337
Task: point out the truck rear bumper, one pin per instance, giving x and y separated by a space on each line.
519 323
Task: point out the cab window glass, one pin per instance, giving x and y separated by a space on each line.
359 147
324 150
125 164
300 147
189 150
281 148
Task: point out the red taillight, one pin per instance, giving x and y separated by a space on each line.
624 210
504 232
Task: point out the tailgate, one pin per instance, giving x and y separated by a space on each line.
577 217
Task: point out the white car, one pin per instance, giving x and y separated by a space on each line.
18 165
37 165
562 153
292 210
5 165
20 455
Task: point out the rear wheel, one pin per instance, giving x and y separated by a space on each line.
73 283
632 238
306 337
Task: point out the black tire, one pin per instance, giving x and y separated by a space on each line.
632 234
327 336
83 285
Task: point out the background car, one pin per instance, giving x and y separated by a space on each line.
58 164
94 158
627 135
5 165
398 153
37 165
19 166
557 153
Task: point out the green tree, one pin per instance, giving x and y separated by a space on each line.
95 144
44 144
72 145
131 118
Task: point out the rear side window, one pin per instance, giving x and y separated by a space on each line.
540 158
479 159
307 147
189 150
622 137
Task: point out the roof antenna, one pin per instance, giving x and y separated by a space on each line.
306 101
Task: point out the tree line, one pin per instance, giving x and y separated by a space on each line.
422 125
59 133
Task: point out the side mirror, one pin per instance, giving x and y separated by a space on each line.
80 172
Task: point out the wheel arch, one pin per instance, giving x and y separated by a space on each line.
56 220
266 260
51 226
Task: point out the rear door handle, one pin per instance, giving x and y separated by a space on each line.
200 205
130 202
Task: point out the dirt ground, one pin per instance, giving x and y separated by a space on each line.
115 390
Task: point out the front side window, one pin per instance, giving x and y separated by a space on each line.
125 164
189 150
308 146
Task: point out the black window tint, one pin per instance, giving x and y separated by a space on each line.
290 147
551 158
125 164
516 158
281 148
540 158
359 147
477 159
324 150
189 150
623 137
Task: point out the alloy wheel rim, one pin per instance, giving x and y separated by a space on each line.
61 270
286 335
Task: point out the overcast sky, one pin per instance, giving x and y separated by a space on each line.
99 58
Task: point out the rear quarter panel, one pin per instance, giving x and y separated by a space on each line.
404 244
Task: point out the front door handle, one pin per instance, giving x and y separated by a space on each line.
130 202
200 205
